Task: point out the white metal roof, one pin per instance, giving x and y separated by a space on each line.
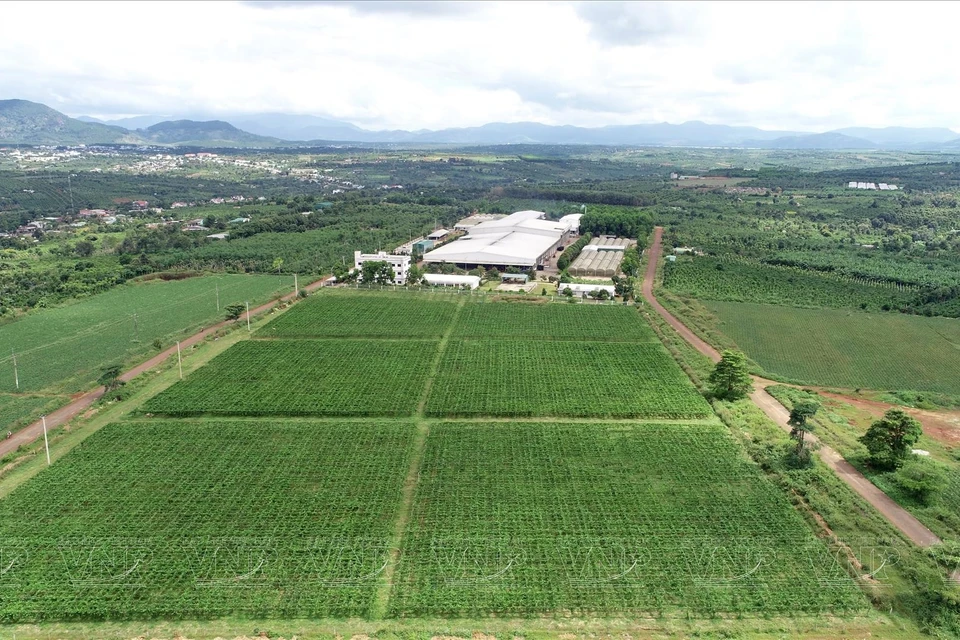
506 248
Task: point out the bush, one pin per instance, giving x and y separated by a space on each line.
922 478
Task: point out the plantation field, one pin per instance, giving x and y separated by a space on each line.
733 280
532 378
203 519
15 410
336 314
304 377
63 349
552 322
520 519
845 348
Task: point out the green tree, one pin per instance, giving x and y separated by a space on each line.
730 379
234 311
277 263
341 272
84 249
376 272
414 275
110 378
799 416
890 438
922 478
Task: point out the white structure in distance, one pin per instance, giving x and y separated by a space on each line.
449 280
522 239
400 264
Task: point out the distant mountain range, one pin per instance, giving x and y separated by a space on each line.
23 122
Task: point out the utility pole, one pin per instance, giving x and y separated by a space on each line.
136 328
46 443
296 287
248 315
218 296
179 361
16 375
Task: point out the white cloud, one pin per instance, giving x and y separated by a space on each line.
800 66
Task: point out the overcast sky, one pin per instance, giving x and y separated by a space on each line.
807 67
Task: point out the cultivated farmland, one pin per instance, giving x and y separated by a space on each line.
334 314
847 348
600 379
304 377
198 519
552 322
519 519
63 349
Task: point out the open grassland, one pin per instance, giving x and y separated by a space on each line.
338 314
304 377
552 322
519 519
847 349
206 519
597 379
62 349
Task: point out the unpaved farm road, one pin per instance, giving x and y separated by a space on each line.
897 515
67 412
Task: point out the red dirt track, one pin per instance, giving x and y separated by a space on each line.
67 412
897 515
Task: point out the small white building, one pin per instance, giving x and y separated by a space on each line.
439 234
450 280
400 264
583 290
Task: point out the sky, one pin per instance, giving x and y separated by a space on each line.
410 65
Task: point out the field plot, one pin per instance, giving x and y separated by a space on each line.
597 379
518 519
364 315
203 519
304 377
847 349
63 349
735 280
552 322
15 410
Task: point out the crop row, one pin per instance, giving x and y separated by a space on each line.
304 377
839 348
552 322
742 281
518 519
358 315
598 379
210 518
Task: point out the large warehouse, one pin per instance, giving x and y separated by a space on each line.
522 239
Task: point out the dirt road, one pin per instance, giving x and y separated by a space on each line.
898 517
66 413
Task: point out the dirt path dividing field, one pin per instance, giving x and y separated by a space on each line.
67 412
897 515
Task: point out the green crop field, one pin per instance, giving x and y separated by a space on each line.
520 519
62 349
17 409
201 519
599 379
305 377
334 314
736 280
552 322
847 348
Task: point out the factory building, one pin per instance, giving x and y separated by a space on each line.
522 239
